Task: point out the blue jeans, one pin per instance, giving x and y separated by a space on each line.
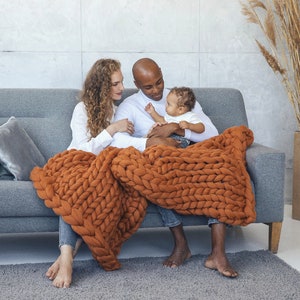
184 142
67 236
171 218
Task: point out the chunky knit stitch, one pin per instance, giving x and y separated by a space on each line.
104 198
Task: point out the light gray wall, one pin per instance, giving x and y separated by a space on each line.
53 43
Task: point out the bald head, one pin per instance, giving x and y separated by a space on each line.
148 78
144 66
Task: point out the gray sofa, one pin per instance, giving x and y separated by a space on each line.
45 115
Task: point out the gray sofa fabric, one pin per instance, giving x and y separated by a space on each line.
45 114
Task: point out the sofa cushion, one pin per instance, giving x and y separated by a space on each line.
19 199
18 153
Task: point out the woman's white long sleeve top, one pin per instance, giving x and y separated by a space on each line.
81 138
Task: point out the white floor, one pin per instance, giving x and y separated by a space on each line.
31 248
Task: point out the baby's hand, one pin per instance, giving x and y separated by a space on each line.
149 108
184 125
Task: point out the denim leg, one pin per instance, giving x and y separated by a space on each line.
212 221
184 142
169 217
67 236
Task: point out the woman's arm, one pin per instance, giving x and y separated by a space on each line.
80 135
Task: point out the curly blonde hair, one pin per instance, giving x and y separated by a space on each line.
96 94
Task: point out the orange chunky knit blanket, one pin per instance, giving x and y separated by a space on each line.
104 197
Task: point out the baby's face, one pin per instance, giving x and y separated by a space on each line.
172 108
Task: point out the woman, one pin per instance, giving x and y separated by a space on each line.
92 131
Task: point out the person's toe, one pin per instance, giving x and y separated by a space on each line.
229 273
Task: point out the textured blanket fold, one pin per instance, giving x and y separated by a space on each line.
104 198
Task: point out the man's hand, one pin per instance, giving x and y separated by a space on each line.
162 141
165 130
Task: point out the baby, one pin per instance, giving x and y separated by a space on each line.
179 105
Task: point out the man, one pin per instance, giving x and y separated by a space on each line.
149 80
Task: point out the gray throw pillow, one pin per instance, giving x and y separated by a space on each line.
5 174
18 153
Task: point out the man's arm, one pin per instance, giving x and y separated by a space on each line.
124 140
162 141
142 123
210 131
165 130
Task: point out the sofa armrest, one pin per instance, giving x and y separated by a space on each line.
266 167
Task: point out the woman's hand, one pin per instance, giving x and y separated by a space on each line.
123 125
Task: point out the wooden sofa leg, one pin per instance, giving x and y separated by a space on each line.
274 236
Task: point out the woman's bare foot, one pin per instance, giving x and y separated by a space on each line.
221 264
52 271
63 277
177 257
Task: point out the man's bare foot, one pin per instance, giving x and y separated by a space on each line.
53 270
221 264
181 251
177 257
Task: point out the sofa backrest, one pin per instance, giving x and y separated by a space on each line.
224 106
45 114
